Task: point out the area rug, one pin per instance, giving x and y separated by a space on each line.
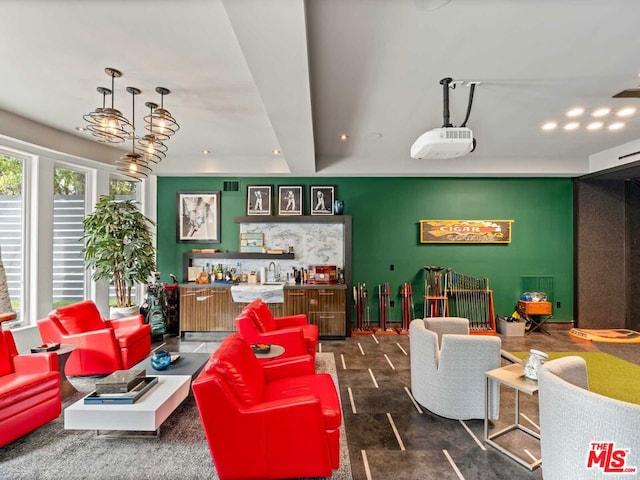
608 375
181 452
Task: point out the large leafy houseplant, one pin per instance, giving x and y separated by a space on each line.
118 246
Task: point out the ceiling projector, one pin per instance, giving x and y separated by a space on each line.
448 141
442 143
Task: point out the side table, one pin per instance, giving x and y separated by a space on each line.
66 388
276 351
536 314
7 316
511 376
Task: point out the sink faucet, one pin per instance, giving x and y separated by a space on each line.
271 277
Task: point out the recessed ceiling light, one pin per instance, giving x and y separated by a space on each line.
344 136
616 126
549 126
571 126
575 112
626 112
206 152
601 112
595 125
276 151
81 129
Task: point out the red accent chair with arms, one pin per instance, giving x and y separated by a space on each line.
256 324
29 390
275 420
104 346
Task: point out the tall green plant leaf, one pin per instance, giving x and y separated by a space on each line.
118 246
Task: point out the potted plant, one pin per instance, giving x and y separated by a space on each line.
118 247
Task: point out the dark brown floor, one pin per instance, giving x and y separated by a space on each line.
373 373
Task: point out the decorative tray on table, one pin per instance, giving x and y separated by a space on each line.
46 347
129 397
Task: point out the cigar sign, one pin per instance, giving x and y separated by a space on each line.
465 231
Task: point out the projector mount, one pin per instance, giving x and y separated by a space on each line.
449 141
448 83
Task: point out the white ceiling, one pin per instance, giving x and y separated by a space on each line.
250 76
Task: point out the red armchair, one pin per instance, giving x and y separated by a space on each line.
256 324
29 390
104 346
277 420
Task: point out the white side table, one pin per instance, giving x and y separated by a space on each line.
511 376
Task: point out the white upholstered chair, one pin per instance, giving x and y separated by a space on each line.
572 417
448 367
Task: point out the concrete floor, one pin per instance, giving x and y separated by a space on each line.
391 437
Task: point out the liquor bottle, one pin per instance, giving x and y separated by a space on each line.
219 272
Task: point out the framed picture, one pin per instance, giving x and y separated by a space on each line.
198 217
290 200
258 199
322 200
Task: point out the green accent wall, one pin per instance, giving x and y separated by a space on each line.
386 214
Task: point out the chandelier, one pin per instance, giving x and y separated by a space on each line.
109 125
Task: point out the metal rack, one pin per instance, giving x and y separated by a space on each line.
450 293
436 301
470 297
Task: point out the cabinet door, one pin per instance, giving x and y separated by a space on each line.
295 301
194 309
221 311
327 311
237 307
276 309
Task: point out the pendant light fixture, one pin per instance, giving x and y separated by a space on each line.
151 148
109 125
97 119
133 164
160 121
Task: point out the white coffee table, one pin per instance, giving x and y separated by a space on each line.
145 415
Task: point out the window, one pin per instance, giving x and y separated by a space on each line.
69 206
43 202
12 232
124 189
